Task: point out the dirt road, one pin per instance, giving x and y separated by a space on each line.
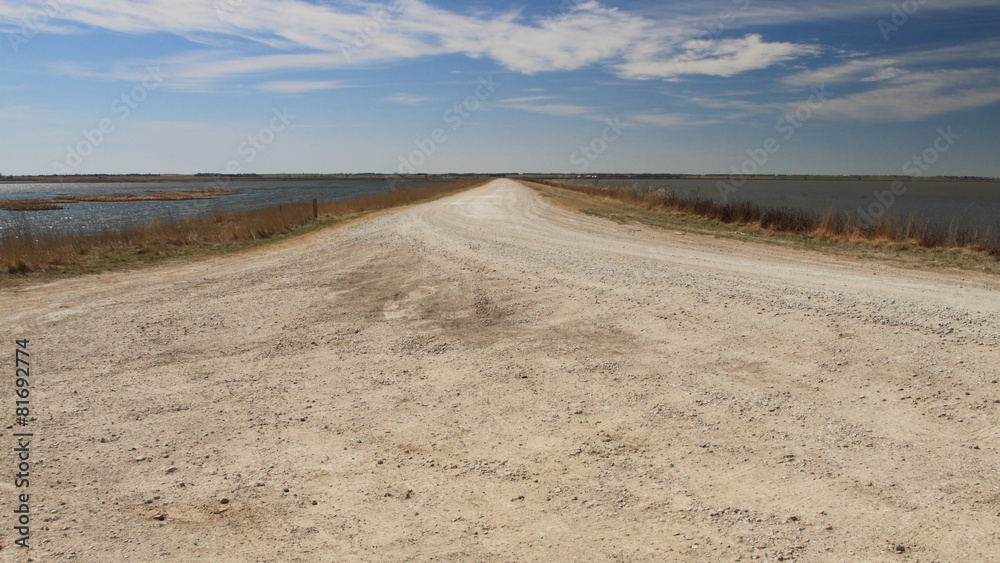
488 378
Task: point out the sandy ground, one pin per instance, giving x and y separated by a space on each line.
489 378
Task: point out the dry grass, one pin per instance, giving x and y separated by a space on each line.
23 253
830 226
53 203
29 205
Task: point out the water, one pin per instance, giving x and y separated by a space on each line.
89 217
970 205
945 204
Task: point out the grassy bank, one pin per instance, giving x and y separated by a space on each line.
888 238
24 255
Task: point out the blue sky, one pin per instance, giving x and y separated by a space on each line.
772 87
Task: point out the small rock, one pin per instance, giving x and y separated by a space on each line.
899 548
171 469
159 517
224 501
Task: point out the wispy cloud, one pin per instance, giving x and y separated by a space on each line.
549 105
919 95
300 86
406 99
241 41
863 68
909 86
725 103
670 120
718 58
301 35
850 71
781 12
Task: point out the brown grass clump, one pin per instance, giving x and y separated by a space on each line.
200 193
50 204
21 252
829 226
29 205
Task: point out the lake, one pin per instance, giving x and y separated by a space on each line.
89 217
944 204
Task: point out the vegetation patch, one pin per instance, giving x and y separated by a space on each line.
54 203
23 254
887 239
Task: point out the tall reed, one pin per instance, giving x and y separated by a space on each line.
830 225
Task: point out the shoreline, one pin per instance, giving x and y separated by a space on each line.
223 178
52 204
875 251
887 241
211 178
23 257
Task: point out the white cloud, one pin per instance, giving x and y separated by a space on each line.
909 86
875 69
669 120
919 95
724 103
233 39
780 12
406 99
851 71
549 105
988 50
299 86
885 73
725 57
301 35
588 34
